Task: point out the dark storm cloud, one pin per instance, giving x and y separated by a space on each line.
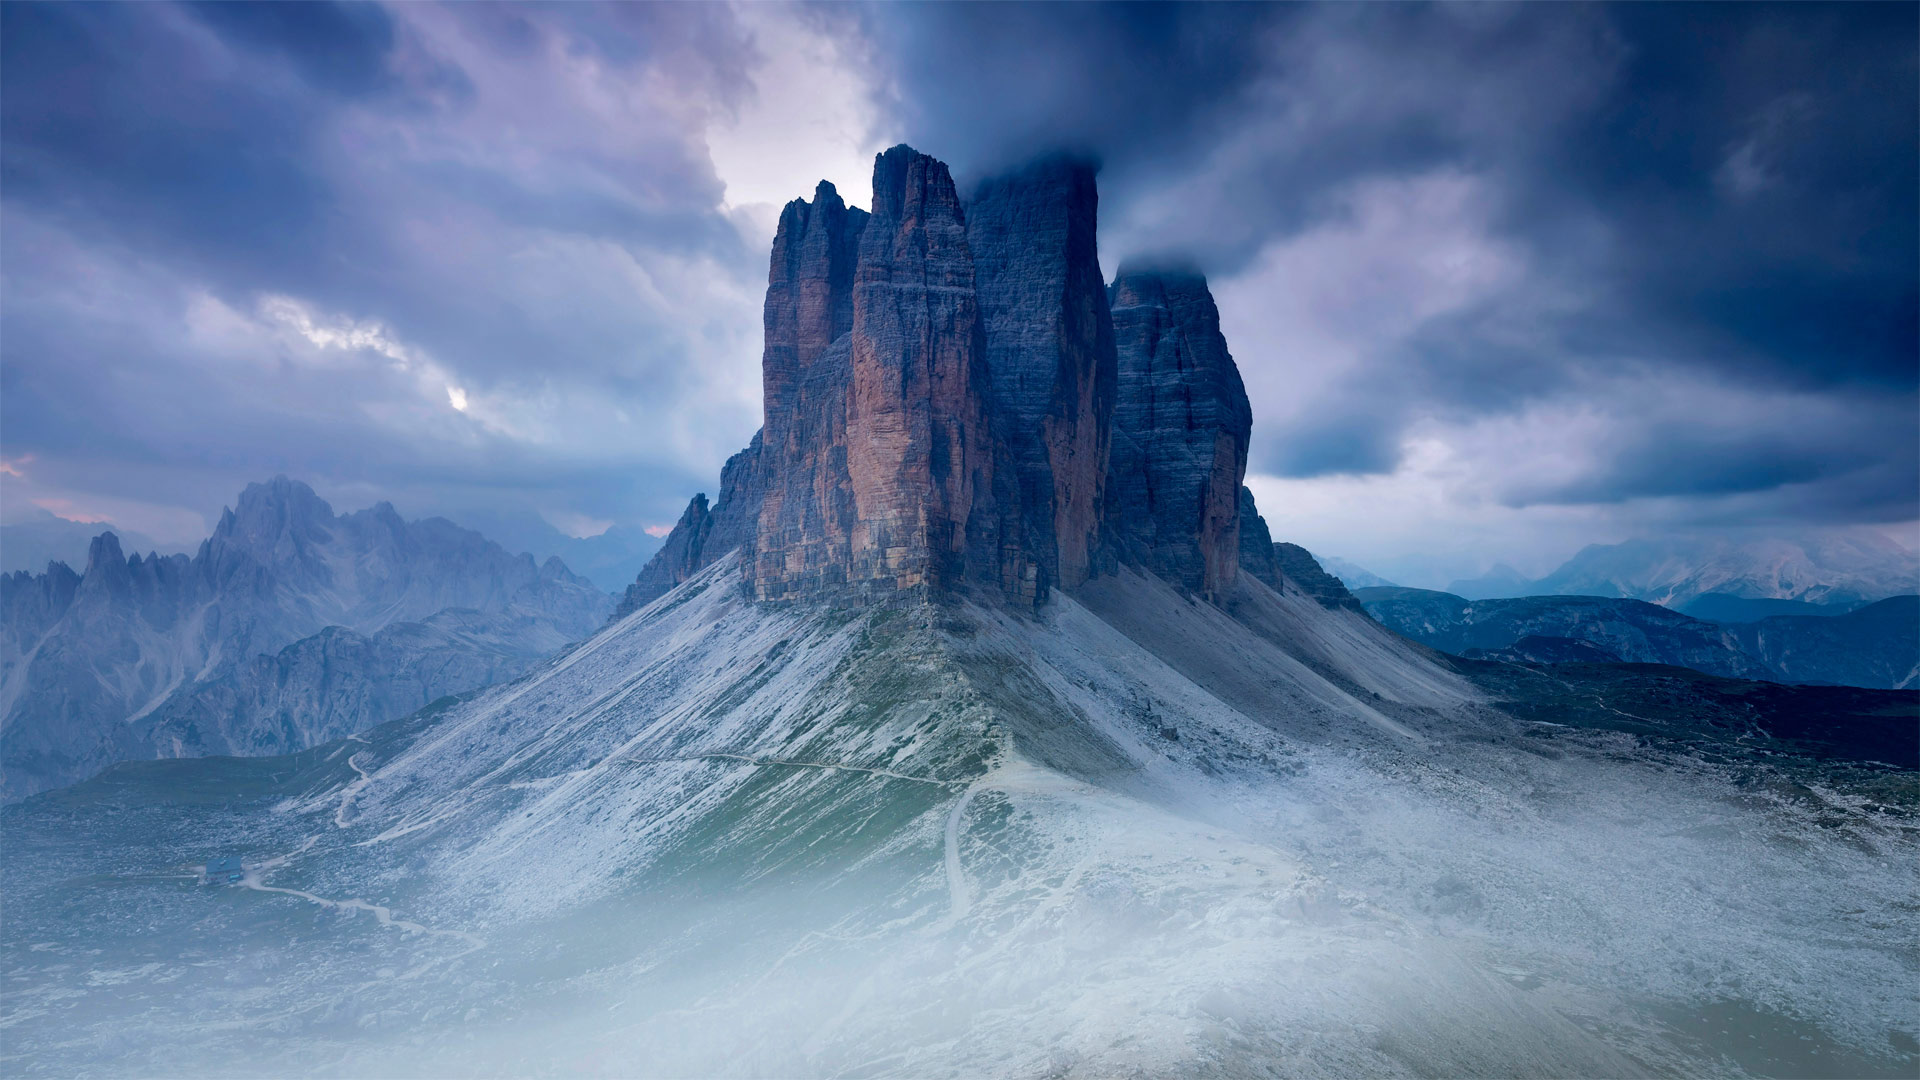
1721 194
249 238
483 185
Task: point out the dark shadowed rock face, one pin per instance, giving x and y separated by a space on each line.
1181 426
805 512
1282 564
1256 543
1050 351
703 535
1298 565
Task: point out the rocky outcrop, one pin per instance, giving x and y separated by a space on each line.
702 536
1050 351
803 526
921 442
1181 426
955 401
1256 544
87 661
1298 565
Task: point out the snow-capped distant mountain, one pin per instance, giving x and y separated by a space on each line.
1833 569
108 664
1353 575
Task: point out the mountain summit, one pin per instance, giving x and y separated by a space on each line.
956 401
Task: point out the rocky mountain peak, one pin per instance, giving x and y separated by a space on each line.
276 523
1049 350
1181 427
954 400
107 572
104 555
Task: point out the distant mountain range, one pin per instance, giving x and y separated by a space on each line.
48 538
1876 646
290 626
977 727
1723 580
1353 575
611 560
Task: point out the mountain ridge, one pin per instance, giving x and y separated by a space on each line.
88 659
1874 646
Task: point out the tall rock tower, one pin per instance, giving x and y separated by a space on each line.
1050 351
955 401
1180 432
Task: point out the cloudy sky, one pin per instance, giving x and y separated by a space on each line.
1502 280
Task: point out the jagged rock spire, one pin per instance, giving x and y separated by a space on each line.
1180 431
956 401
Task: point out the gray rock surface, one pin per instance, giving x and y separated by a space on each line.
1840 569
1180 432
339 681
1050 351
1256 544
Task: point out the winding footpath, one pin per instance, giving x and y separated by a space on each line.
254 878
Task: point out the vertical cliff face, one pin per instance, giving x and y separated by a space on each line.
955 399
891 483
802 531
1181 426
1256 543
1049 351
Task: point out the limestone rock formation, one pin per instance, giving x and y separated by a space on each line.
955 400
1180 432
1256 543
1297 565
921 444
1050 351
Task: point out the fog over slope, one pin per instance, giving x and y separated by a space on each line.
722 838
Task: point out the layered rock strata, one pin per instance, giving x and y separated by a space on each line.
1050 351
1181 426
956 401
